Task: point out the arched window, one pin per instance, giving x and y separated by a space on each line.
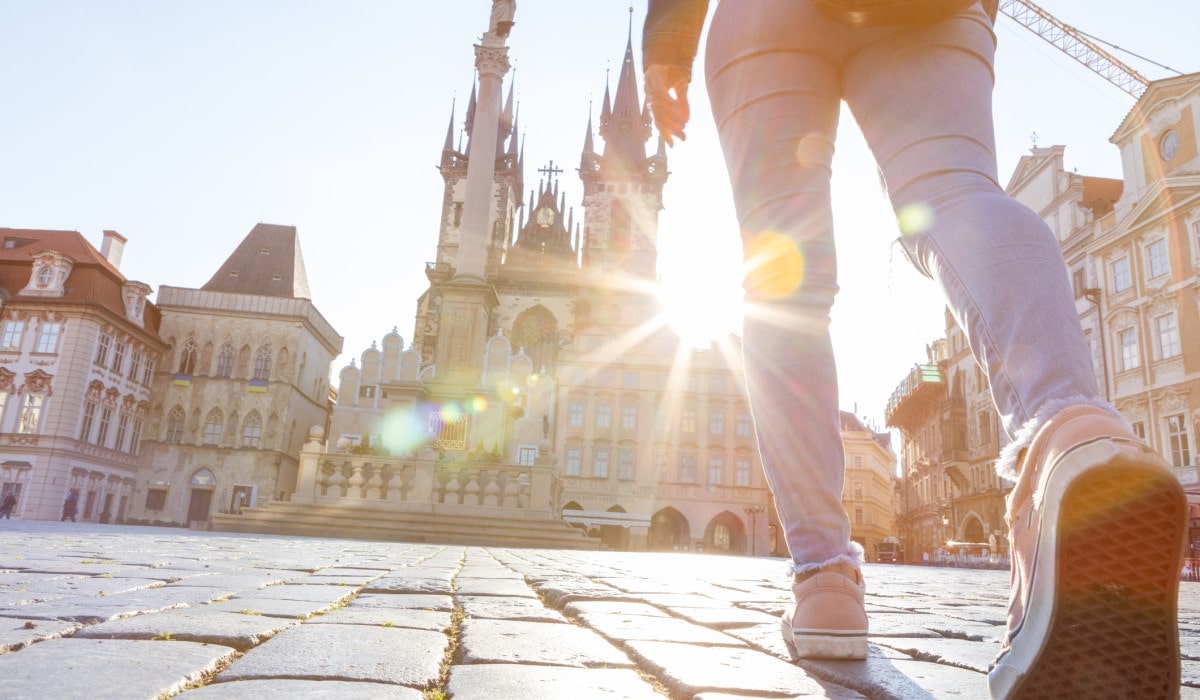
187 357
225 361
175 421
203 478
212 428
262 363
252 430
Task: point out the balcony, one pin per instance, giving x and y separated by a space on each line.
916 398
437 272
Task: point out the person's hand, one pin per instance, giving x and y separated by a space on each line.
666 89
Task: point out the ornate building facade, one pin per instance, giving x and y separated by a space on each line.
651 443
246 376
79 345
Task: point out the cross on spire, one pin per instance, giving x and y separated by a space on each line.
550 170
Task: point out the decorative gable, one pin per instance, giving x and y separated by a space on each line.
49 275
134 295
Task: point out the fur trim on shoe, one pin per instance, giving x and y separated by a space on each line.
854 558
1007 466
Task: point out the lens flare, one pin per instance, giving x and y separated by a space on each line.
479 404
401 431
774 266
915 219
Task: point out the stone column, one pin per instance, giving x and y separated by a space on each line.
310 464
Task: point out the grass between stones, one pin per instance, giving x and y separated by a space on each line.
453 647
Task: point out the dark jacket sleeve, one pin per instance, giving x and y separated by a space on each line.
672 32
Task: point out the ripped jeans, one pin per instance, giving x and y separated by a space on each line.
777 72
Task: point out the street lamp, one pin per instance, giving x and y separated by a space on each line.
753 512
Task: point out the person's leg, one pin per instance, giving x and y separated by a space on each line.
1090 615
774 87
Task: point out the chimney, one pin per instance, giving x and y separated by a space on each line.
112 248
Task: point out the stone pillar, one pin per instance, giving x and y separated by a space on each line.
310 464
491 60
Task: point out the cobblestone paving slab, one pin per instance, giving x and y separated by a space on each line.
308 690
949 652
99 670
687 669
613 607
331 593
493 681
501 608
16 632
192 625
385 617
544 643
901 678
396 601
626 628
493 586
401 582
270 607
345 652
725 618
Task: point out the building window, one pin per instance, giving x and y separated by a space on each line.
1178 445
603 415
149 373
661 466
367 391
187 358
262 363
741 472
1127 342
102 349
574 459
600 463
122 430
716 471
135 365
716 422
106 414
31 413
626 463
526 455
135 437
743 425
985 427
628 417
225 361
687 421
629 380
858 490
1121 279
575 414
1139 429
10 336
858 517
1166 329
662 419
47 341
721 538
175 425
118 359
252 430
858 461
156 499
1157 258
687 467
212 428
605 378
89 416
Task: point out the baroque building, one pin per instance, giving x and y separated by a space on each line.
244 378
870 484
1132 248
79 344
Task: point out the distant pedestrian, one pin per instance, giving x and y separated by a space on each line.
71 505
7 504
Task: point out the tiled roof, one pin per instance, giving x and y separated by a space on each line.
266 263
93 280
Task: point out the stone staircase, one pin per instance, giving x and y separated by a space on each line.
353 521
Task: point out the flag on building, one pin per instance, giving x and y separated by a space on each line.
257 386
183 380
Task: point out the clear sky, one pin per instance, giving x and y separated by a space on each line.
182 124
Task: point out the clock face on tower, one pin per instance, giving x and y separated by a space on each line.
545 217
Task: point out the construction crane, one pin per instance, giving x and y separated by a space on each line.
1075 44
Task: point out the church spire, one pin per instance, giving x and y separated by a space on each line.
449 145
470 124
625 130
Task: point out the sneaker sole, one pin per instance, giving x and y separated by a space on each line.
1104 597
824 644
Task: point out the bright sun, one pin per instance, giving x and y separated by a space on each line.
698 308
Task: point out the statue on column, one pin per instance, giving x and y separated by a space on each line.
502 18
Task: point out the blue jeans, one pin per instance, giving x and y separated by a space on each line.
777 72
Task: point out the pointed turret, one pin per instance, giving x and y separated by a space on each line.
470 122
449 145
626 133
606 108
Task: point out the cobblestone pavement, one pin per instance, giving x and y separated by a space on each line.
101 611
